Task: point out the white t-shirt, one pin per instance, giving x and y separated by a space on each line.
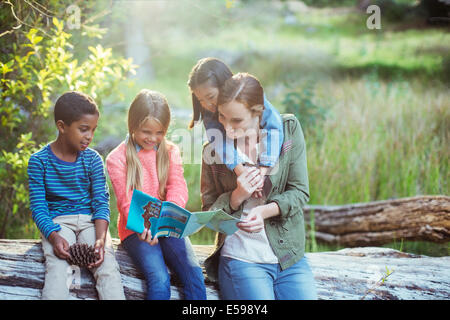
249 247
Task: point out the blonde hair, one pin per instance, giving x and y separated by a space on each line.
147 105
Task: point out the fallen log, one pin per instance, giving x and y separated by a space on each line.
345 274
425 218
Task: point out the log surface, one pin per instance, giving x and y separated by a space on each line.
345 274
425 218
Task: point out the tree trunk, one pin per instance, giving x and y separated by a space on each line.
345 274
367 224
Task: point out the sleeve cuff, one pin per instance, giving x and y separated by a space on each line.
267 161
223 202
283 205
48 231
101 215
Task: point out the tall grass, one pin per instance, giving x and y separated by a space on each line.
381 140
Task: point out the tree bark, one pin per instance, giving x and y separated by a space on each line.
345 274
424 218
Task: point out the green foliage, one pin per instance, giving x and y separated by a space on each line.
329 3
36 68
379 283
310 114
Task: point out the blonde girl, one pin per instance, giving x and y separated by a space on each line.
147 161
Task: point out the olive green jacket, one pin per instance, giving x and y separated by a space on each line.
287 186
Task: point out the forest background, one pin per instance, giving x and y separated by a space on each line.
371 91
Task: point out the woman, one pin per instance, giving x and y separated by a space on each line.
265 258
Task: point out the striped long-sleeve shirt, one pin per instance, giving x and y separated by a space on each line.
60 188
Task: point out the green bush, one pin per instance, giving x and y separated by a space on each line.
37 67
310 114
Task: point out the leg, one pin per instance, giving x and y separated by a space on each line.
180 257
107 275
57 271
239 280
150 261
296 282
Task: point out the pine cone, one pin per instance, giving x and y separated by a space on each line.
82 254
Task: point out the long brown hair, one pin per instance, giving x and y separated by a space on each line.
207 70
147 105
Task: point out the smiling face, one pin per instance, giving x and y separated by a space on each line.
149 134
79 134
207 96
238 120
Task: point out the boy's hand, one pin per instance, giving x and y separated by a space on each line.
99 248
60 245
101 229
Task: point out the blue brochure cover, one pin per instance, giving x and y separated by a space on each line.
166 219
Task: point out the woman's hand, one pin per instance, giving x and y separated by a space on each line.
254 222
146 236
255 219
247 183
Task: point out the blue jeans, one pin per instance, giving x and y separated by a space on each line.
180 258
239 280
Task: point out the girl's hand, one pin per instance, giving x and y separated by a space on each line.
99 252
254 221
146 236
259 191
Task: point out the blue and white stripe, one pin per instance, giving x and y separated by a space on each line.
60 188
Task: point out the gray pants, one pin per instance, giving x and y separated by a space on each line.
80 228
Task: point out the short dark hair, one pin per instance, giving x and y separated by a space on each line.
72 105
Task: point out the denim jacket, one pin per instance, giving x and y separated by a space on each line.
287 186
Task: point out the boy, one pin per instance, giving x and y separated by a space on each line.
69 199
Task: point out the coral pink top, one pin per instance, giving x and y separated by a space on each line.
176 188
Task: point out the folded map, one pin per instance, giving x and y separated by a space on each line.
166 219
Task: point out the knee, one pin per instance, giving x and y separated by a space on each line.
194 284
196 273
158 285
191 275
157 278
58 281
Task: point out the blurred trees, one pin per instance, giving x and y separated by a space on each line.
431 11
39 60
